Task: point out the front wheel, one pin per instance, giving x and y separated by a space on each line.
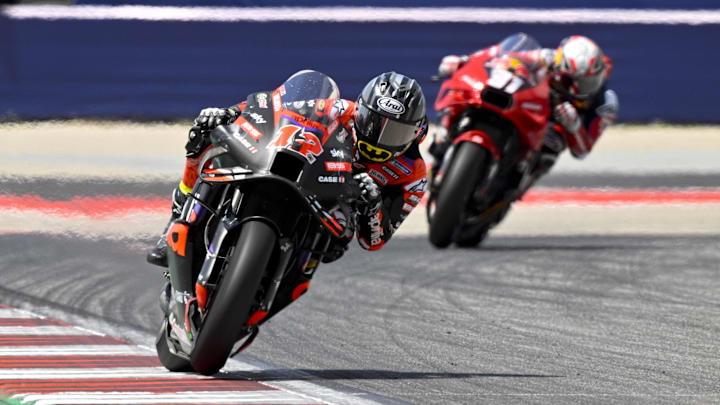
466 170
232 302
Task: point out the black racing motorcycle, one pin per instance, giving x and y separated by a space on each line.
273 195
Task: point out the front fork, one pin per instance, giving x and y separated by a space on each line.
181 242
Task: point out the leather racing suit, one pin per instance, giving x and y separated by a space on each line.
401 180
578 133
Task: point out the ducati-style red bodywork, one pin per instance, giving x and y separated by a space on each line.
504 84
496 111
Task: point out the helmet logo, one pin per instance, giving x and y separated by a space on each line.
391 105
374 153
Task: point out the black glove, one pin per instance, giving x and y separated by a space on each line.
369 201
210 118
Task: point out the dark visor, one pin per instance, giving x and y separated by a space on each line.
383 131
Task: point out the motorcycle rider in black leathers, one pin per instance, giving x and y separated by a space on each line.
387 122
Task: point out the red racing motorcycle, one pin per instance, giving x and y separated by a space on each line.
495 110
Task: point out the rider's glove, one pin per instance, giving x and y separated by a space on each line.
567 116
369 202
210 118
450 64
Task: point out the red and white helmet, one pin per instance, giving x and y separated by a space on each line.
580 67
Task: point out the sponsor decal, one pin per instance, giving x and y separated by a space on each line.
298 104
477 85
331 179
277 102
401 167
251 130
413 199
296 139
338 166
531 106
338 109
258 118
262 100
342 134
407 208
311 103
321 105
417 186
389 104
281 89
244 142
376 230
390 172
378 176
359 166
337 153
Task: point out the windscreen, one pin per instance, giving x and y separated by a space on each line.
309 85
518 42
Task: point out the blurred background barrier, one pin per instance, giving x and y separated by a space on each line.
96 60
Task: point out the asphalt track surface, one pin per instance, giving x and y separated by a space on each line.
560 317
523 320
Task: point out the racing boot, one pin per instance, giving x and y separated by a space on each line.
158 254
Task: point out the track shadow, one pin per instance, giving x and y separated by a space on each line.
315 375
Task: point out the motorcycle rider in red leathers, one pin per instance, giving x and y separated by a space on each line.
387 122
581 104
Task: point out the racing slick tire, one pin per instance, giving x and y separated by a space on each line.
469 240
229 309
458 184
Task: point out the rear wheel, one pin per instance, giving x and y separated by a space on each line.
466 169
473 238
232 302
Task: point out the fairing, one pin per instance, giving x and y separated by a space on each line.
500 80
291 129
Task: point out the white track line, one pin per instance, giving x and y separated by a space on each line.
74 350
476 15
77 373
42 330
15 314
290 392
195 397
